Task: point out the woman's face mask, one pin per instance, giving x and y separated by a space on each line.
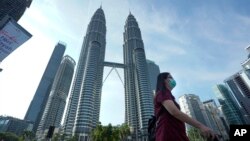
172 83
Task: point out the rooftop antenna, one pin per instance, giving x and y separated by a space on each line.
129 8
101 5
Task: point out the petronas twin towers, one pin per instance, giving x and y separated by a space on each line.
84 104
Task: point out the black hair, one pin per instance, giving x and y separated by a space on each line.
160 86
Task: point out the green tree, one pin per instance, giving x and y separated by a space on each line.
194 135
7 136
97 133
116 134
110 133
27 136
124 131
74 138
56 137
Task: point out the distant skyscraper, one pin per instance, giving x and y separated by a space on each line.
40 98
138 96
223 119
153 71
84 103
192 105
228 105
53 113
239 85
246 63
13 8
215 118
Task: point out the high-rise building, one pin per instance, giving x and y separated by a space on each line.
246 63
84 103
13 8
14 125
53 113
83 109
215 119
138 96
192 105
228 105
153 71
239 84
39 101
223 119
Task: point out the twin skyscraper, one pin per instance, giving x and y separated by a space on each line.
82 114
84 104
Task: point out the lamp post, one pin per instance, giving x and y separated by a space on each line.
1 68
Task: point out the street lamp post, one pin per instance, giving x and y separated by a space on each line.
1 68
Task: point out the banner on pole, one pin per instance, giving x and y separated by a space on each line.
12 35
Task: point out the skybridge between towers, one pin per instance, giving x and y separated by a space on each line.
114 66
84 107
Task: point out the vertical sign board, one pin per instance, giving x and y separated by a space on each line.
12 35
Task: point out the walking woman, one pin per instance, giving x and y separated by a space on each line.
170 120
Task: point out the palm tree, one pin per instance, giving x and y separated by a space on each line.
96 133
124 131
116 134
110 133
28 136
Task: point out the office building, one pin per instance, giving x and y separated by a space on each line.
39 101
14 125
13 8
228 104
192 105
55 106
246 63
153 71
239 84
215 119
223 119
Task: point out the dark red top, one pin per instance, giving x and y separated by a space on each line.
168 128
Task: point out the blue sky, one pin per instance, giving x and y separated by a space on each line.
200 42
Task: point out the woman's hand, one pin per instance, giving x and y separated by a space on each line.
207 132
174 111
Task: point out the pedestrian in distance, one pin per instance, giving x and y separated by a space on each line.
170 119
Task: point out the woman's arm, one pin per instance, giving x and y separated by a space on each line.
174 111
